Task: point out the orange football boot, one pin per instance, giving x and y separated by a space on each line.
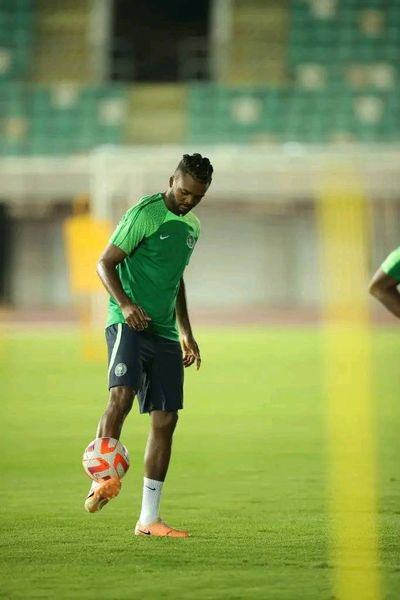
160 529
99 497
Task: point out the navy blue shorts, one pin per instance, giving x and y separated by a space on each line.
149 364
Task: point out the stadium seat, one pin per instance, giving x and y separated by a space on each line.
343 82
62 119
16 39
344 78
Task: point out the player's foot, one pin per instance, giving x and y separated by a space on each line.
98 497
159 529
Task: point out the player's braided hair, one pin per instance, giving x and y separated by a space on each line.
199 167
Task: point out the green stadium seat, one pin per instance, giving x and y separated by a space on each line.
344 82
293 114
62 119
354 46
16 38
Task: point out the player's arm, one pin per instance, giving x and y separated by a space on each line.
384 288
191 352
134 315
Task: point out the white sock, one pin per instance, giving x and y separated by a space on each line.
151 501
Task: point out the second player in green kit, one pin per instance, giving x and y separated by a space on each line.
385 282
142 269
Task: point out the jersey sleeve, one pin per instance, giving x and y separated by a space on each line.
196 231
391 265
196 226
131 230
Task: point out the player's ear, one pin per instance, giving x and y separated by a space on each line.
171 181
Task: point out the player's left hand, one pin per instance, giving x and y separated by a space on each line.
191 352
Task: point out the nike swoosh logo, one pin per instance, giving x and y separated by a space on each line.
145 532
149 488
164 237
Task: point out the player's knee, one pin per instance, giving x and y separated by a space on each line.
164 422
121 399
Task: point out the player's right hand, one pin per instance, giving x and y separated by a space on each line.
135 316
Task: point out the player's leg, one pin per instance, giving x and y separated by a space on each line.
156 461
163 398
118 407
125 371
159 444
110 425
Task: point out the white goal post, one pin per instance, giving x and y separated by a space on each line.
264 197
120 175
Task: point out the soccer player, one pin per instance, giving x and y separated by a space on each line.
142 269
384 283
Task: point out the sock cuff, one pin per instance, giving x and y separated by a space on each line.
152 483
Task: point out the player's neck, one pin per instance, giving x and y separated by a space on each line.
169 204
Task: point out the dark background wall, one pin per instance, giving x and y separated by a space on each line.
153 38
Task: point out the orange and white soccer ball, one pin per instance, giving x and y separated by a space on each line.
105 458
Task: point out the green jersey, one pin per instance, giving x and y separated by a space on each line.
391 265
158 245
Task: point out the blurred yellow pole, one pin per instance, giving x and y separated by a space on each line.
343 227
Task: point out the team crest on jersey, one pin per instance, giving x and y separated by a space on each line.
120 369
190 241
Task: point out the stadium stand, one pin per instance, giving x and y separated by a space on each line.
16 39
53 117
67 118
337 81
61 41
59 119
343 82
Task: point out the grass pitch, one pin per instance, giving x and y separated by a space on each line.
248 475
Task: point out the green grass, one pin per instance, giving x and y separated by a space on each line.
248 475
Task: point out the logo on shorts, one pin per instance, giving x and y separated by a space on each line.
120 369
190 241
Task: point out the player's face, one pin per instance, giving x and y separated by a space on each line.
185 192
